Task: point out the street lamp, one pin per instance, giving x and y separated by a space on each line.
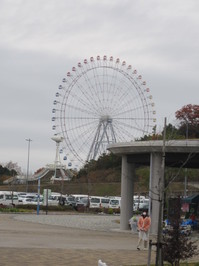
29 140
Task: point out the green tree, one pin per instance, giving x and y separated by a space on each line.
172 132
104 162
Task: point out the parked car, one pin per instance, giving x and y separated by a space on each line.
26 198
35 201
144 206
26 201
53 200
73 199
70 200
83 202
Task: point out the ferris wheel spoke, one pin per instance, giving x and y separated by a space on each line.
80 101
130 126
88 139
79 118
120 87
130 119
98 83
105 82
80 126
113 79
135 126
94 87
122 134
128 111
89 111
120 90
85 137
127 95
76 138
122 109
144 105
117 86
85 98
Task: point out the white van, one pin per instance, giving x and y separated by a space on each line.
144 206
8 198
137 200
78 197
105 202
55 199
115 203
74 198
99 202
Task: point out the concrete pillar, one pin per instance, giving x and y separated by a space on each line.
127 188
155 188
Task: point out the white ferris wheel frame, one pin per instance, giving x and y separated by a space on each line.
107 94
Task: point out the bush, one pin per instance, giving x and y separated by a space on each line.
110 211
177 245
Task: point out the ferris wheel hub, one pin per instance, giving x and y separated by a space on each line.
106 118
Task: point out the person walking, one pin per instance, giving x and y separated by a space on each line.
144 223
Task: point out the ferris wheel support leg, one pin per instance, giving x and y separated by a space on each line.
94 143
127 190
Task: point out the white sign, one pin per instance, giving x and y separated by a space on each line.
46 195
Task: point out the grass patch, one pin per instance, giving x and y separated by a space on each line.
13 210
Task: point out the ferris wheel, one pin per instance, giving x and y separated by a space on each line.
101 101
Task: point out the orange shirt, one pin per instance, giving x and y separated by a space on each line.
144 223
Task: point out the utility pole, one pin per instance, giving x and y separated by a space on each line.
159 257
38 194
27 174
185 178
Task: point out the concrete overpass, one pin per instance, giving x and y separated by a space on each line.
178 153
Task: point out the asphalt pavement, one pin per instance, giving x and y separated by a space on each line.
76 240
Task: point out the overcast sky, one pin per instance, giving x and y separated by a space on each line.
40 41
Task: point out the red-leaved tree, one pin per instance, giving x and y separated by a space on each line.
188 116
